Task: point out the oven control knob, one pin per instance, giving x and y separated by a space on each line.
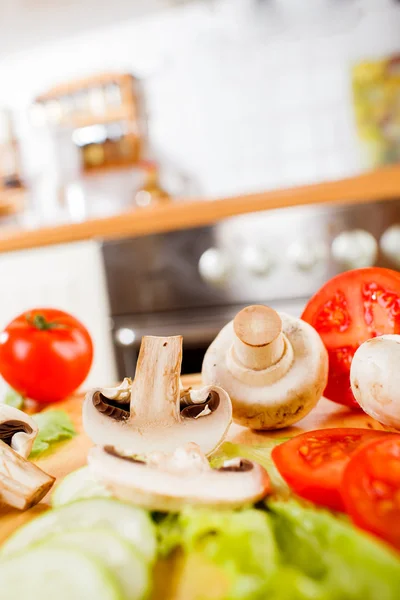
354 249
125 336
307 255
214 266
255 260
390 244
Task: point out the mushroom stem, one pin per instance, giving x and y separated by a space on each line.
258 342
22 483
156 388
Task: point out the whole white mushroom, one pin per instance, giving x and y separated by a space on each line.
375 378
273 366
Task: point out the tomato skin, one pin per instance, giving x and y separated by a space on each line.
313 463
371 488
348 310
47 364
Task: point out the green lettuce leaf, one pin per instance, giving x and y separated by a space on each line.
54 426
349 564
242 544
257 454
291 552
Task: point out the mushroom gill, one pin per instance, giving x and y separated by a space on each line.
9 428
111 408
193 408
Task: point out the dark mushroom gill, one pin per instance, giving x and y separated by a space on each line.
192 410
111 408
9 428
240 467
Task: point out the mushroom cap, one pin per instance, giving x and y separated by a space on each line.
167 483
141 436
375 378
281 394
17 429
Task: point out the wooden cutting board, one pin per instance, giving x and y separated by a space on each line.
71 455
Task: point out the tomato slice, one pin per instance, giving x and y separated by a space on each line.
312 463
371 488
348 310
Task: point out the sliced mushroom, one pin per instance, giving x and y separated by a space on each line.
154 412
273 366
167 482
17 429
22 483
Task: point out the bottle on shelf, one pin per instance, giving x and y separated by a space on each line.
151 191
9 153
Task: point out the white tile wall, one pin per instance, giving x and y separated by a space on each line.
239 105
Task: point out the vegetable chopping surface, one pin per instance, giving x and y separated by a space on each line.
174 576
159 495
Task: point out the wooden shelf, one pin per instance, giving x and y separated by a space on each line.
381 184
11 201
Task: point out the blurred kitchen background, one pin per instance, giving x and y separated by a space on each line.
143 142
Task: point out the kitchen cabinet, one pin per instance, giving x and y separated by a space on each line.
69 277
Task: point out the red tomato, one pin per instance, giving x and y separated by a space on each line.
45 354
312 463
348 310
371 488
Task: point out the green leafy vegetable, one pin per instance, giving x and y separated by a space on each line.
257 454
242 543
54 426
13 398
349 564
291 552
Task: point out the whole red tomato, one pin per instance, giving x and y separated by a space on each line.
45 354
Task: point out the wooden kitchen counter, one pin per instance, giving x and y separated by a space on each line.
377 185
72 454
173 577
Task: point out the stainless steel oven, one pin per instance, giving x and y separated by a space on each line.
192 282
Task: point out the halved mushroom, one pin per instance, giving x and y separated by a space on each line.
167 482
22 483
273 366
154 413
17 429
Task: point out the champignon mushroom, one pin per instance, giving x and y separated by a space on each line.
273 366
375 378
154 413
167 482
17 429
22 483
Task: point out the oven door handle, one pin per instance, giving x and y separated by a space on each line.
194 334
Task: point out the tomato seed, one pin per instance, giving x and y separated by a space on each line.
304 450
